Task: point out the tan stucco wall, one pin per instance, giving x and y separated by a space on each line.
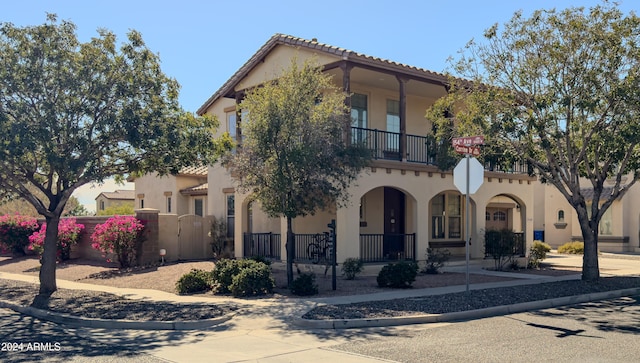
154 188
277 61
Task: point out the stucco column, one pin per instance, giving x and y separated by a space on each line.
348 232
239 225
478 226
150 250
422 230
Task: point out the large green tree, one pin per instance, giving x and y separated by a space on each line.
561 90
295 157
72 113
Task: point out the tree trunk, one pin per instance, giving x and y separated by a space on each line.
590 267
49 257
291 251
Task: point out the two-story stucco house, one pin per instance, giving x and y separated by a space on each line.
400 205
105 200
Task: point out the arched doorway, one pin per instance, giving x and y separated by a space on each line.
387 225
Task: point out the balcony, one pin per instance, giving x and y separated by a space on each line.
386 145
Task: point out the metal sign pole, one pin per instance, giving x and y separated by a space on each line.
466 197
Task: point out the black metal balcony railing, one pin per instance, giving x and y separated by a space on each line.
385 145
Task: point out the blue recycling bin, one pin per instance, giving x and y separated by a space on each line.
538 236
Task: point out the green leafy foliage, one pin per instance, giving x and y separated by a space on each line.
558 91
225 271
295 158
254 279
500 244
351 267
575 248
194 281
73 113
537 253
304 284
436 258
398 275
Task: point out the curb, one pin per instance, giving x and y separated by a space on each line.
461 315
79 321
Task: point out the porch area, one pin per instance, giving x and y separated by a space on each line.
316 248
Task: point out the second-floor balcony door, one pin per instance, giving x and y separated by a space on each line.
359 117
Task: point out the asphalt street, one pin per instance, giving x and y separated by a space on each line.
604 331
26 339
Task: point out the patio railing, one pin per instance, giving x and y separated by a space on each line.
387 247
262 244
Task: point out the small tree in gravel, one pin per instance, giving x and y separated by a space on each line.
120 236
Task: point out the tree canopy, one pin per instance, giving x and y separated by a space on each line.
559 90
296 157
73 113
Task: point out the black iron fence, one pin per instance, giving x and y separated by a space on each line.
387 247
500 243
262 244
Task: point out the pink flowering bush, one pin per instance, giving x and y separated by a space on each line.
68 235
120 236
15 230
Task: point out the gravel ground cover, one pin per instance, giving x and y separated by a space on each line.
475 299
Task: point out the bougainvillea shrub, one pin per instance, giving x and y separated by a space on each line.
15 230
119 236
68 235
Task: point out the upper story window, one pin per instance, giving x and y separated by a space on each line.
168 204
560 216
231 124
102 205
359 110
393 125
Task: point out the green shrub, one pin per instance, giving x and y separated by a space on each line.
537 253
576 248
501 245
194 281
399 275
351 267
253 279
304 284
224 271
436 258
262 259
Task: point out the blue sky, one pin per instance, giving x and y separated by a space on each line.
202 43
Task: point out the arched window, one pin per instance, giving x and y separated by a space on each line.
561 216
499 216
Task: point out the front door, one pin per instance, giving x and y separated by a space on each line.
497 218
394 223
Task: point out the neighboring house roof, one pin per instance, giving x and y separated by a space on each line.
118 195
201 189
227 89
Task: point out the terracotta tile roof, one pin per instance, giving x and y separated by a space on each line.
201 189
227 88
119 195
194 171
